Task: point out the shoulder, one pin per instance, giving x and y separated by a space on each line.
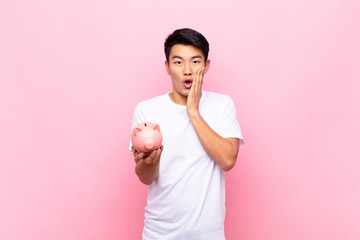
148 110
215 98
152 102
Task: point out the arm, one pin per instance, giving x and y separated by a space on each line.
222 150
147 166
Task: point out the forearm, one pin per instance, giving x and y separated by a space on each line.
221 150
147 173
147 165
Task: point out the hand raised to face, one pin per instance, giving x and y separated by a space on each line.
193 99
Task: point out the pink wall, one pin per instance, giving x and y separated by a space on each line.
72 72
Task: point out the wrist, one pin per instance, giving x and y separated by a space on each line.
193 113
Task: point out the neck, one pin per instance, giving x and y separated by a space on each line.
178 99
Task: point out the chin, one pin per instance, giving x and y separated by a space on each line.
185 93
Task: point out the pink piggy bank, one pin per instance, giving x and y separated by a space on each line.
146 137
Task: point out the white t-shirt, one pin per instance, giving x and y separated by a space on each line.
187 200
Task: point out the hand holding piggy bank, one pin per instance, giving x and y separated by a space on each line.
146 137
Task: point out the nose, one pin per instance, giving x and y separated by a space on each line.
187 70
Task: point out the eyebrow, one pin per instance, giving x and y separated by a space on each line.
196 56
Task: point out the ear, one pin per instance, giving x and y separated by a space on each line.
136 131
157 127
207 66
167 67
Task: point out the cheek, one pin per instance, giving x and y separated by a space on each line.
175 74
199 66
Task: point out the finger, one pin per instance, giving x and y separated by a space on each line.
135 152
138 157
201 74
201 77
150 158
161 151
198 81
195 80
157 156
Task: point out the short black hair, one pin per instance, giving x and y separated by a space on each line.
186 36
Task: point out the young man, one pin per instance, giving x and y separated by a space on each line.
201 138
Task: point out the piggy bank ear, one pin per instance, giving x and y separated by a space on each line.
137 130
157 127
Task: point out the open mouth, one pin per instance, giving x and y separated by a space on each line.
188 83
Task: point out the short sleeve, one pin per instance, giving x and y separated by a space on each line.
229 124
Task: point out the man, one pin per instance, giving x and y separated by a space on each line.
201 137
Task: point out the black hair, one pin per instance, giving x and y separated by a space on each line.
186 36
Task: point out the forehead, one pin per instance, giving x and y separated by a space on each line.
185 51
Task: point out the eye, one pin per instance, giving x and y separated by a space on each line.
177 62
196 62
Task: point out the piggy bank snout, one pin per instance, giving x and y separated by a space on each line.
149 145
